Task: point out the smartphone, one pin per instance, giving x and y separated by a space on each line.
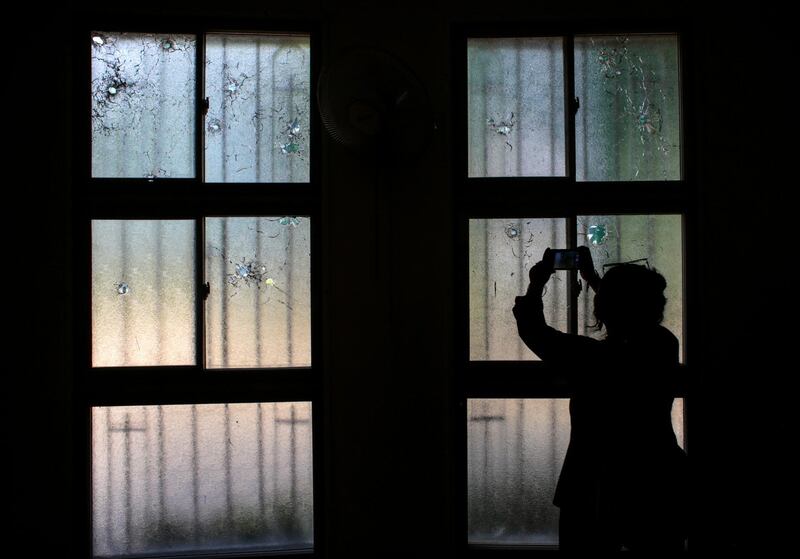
566 259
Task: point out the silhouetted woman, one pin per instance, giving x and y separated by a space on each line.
624 475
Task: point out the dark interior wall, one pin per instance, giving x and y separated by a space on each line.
388 282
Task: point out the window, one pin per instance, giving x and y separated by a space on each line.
201 477
198 207
562 139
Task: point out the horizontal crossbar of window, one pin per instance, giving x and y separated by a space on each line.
534 379
144 207
541 27
531 206
182 386
486 550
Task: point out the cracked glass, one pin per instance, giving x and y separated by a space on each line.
143 293
628 124
184 479
515 450
257 126
501 254
652 240
143 105
515 100
258 312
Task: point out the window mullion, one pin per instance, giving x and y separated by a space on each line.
200 112
570 106
200 303
572 278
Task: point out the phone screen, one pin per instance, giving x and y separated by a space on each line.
566 259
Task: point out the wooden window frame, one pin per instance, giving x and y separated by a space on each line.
555 197
191 199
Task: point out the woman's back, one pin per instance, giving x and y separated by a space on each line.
624 472
620 410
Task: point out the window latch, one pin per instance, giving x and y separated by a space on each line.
205 290
206 106
576 104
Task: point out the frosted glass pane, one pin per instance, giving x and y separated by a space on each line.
501 253
623 238
217 477
628 125
257 126
678 421
143 293
515 452
143 105
258 313
516 107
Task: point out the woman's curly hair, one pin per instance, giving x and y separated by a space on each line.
630 296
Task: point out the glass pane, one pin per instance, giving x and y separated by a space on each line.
516 107
501 253
628 124
515 452
193 478
143 293
143 105
678 421
624 238
258 313
257 127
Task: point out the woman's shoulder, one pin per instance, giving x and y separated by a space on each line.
664 343
656 344
665 336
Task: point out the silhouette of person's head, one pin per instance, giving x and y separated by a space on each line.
630 297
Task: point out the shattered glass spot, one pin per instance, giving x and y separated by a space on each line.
233 85
168 45
294 128
214 126
154 174
597 234
294 221
512 231
650 120
290 148
100 39
610 61
520 239
502 127
293 133
244 271
123 288
250 273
